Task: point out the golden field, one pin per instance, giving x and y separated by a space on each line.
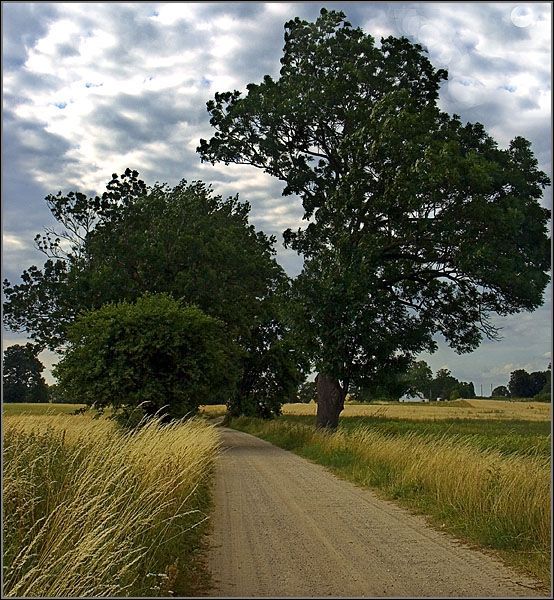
454 409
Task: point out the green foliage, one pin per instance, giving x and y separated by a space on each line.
419 377
21 375
419 224
154 353
184 241
386 385
49 299
545 395
191 244
447 387
520 383
538 381
500 392
272 368
56 396
462 390
527 385
306 392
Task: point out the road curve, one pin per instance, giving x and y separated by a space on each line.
283 526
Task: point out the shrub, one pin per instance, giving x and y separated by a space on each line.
155 353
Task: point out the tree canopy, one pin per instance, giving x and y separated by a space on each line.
500 391
184 241
418 224
527 385
21 375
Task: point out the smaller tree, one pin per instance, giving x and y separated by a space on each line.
537 381
419 378
55 395
462 389
443 384
155 353
520 384
22 379
500 392
545 395
271 370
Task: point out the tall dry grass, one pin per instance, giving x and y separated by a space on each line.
92 511
505 497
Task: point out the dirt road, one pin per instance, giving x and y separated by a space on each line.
284 526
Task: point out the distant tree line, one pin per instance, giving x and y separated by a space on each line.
418 379
536 385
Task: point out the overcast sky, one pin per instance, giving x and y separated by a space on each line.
92 88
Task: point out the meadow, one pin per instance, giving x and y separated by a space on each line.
37 408
484 478
91 510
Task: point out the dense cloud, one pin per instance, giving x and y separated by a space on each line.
90 89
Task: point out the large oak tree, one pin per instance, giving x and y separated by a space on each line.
418 224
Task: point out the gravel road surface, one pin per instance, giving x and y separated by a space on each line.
283 526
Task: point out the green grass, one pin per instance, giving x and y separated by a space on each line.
527 438
28 408
485 482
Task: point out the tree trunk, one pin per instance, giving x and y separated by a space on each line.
330 401
234 409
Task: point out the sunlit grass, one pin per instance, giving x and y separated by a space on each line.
457 409
213 410
92 511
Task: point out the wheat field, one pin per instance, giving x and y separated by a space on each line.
455 409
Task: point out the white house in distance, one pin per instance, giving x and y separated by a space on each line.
416 397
